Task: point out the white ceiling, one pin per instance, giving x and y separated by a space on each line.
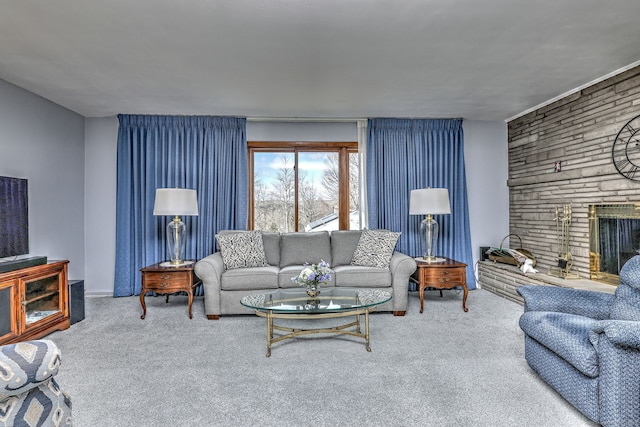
476 59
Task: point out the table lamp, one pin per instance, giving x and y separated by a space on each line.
429 202
175 202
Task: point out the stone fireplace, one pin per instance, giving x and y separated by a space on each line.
614 238
576 131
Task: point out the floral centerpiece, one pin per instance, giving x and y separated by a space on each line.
312 276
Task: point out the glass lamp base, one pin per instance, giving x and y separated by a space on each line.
176 240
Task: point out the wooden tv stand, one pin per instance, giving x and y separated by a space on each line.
33 302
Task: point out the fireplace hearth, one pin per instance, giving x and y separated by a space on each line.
614 238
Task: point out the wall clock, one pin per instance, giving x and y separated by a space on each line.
626 150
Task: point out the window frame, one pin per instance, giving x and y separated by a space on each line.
343 148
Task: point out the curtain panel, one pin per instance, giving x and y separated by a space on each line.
407 154
205 153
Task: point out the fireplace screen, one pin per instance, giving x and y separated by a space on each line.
614 238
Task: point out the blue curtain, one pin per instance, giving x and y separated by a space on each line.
406 154
205 153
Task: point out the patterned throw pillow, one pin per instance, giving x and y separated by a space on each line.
375 248
242 249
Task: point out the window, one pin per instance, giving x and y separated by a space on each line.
303 186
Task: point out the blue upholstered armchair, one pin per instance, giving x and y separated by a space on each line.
586 345
29 395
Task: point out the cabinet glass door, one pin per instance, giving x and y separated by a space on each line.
42 299
8 328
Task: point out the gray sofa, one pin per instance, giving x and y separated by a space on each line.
286 254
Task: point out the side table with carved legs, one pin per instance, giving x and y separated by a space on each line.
167 280
446 274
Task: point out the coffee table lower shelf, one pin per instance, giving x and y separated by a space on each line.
295 332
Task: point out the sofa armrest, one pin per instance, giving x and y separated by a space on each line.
26 365
402 264
209 270
402 267
595 305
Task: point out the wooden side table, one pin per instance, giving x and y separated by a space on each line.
441 275
166 280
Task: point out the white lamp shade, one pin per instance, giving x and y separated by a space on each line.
434 201
175 201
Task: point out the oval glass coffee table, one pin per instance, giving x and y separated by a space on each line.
331 303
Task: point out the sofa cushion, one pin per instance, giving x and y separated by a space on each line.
291 271
241 249
363 277
301 248
271 243
375 248
250 278
343 245
565 334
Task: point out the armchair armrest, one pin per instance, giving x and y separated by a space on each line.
595 305
617 343
623 333
26 365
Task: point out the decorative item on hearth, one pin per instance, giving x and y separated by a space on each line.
565 259
429 202
312 276
515 257
175 202
527 267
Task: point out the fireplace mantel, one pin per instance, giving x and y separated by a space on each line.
503 279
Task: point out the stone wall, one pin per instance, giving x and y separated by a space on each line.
577 131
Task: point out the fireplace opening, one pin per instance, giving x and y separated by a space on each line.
614 238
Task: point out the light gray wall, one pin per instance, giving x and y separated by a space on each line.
486 165
44 142
101 135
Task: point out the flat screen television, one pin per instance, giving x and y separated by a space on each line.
14 217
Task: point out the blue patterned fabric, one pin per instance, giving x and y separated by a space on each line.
627 303
578 389
619 384
586 345
567 335
29 395
596 305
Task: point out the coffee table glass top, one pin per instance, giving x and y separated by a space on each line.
296 300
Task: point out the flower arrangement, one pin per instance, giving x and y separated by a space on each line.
314 275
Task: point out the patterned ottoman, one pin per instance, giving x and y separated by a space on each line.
29 395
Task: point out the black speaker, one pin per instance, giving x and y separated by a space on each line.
76 300
483 253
